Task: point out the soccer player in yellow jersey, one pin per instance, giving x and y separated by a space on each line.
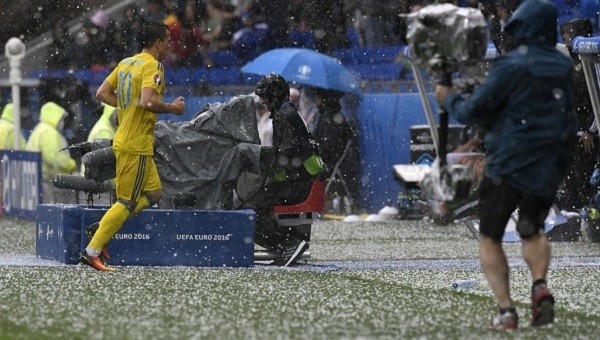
135 87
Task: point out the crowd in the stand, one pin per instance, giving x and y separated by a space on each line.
244 27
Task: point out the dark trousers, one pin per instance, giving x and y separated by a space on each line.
267 233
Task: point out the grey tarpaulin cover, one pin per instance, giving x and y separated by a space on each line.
218 147
458 34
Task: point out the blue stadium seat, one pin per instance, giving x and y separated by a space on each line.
302 39
369 55
224 58
562 8
98 77
224 76
44 73
250 79
381 72
353 36
39 73
85 75
346 56
199 75
178 76
379 55
403 88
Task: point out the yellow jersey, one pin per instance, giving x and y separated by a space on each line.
135 134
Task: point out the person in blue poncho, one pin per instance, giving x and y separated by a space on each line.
526 106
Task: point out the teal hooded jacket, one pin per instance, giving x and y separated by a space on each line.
526 105
47 139
7 130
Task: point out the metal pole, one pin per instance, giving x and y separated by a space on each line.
16 99
445 80
15 51
426 106
590 74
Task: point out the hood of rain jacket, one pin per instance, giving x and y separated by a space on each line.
533 22
103 128
47 139
51 114
7 130
7 113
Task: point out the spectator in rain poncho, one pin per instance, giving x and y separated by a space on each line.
47 139
7 130
333 133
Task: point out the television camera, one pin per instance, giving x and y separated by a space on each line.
445 39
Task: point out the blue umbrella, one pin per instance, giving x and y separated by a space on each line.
307 67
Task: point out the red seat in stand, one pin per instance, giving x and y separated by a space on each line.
315 202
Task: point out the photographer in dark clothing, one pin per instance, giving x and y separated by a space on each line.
292 164
333 133
576 188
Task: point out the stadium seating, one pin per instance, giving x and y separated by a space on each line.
177 77
224 76
369 55
221 59
353 37
380 72
302 39
376 67
84 75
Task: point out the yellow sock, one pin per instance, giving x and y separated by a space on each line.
110 223
142 204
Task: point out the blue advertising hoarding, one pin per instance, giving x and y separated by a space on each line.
20 183
154 237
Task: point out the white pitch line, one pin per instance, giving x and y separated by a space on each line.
557 262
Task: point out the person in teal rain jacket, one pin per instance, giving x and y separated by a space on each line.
47 139
7 130
526 106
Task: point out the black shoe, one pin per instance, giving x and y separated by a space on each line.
542 306
292 253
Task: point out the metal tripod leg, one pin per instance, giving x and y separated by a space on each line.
336 172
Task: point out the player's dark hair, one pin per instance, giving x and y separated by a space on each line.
151 32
